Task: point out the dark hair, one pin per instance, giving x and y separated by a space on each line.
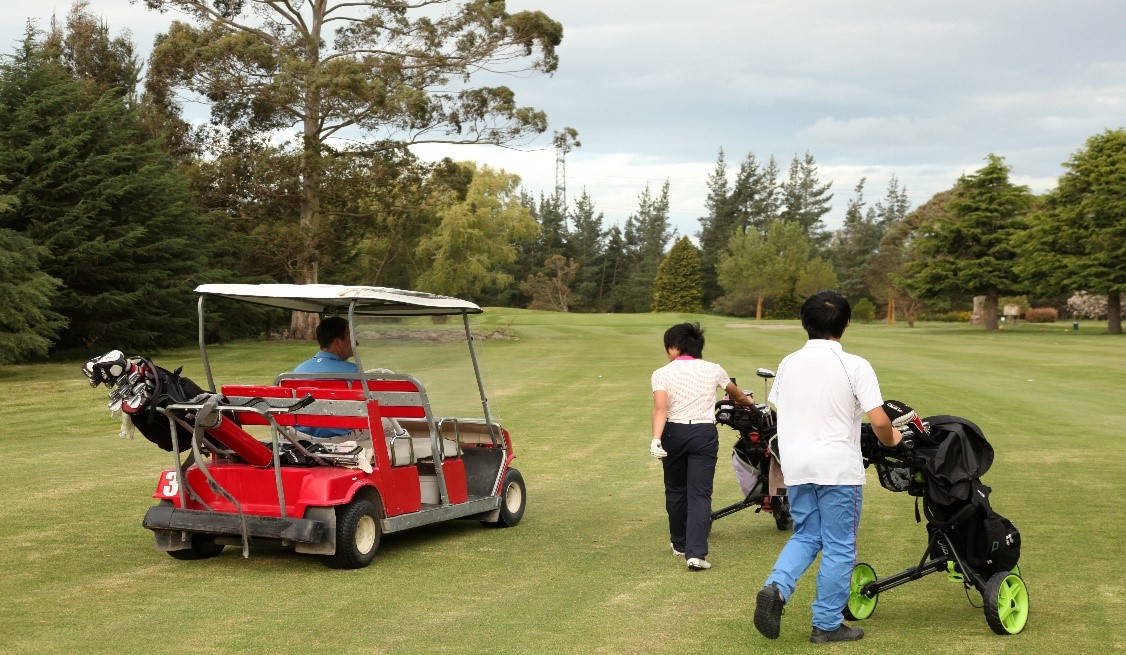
331 329
825 314
688 338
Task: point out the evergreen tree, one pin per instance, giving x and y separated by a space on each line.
587 240
646 234
615 270
854 245
756 197
103 201
715 228
677 287
1078 241
28 326
805 200
971 250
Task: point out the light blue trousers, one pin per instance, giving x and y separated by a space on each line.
826 519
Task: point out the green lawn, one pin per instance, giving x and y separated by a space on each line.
588 570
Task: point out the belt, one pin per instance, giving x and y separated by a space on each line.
696 422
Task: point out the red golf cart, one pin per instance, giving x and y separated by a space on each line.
404 468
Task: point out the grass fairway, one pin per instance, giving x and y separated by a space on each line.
588 570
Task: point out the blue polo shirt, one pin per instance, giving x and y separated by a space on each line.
325 362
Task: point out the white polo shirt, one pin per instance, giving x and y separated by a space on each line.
690 384
821 393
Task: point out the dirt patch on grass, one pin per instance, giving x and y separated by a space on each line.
762 326
431 336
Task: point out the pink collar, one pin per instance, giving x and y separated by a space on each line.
683 357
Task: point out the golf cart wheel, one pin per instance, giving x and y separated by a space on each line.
1006 603
203 547
357 535
513 500
860 606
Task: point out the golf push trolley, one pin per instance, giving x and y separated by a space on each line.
755 458
940 463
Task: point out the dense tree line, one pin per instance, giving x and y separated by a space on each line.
113 206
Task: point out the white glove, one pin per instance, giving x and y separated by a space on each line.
655 449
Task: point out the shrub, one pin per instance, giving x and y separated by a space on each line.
864 310
951 317
1042 315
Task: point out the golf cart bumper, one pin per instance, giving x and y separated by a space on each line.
166 518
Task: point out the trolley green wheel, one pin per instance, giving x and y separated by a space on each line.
860 606
1006 603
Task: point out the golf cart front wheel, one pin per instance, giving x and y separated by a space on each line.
1006 603
357 535
860 606
513 500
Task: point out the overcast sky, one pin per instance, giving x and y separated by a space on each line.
872 88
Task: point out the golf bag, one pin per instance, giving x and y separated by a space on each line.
755 458
138 387
942 465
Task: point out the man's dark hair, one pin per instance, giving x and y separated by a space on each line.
331 329
688 338
825 314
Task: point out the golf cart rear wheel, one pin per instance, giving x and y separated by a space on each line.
203 547
513 500
859 605
1006 603
357 535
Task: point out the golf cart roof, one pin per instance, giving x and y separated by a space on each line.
333 298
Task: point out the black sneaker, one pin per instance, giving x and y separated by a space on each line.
842 633
768 611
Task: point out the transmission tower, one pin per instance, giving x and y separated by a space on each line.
564 141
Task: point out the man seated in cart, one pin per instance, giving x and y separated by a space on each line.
335 339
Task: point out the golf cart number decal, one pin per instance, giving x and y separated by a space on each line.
173 485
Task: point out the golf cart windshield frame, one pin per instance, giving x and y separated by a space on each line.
359 301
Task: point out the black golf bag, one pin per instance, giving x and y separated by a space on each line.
138 387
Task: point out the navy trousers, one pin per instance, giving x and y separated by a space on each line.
689 475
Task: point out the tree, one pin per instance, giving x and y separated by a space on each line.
756 196
397 72
715 228
886 275
854 248
805 200
646 234
106 64
1078 240
553 289
677 287
778 265
28 326
587 240
971 250
103 201
476 236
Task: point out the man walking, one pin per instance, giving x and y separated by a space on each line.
821 393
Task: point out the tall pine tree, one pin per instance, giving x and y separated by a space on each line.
102 200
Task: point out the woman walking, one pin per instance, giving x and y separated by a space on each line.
685 437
